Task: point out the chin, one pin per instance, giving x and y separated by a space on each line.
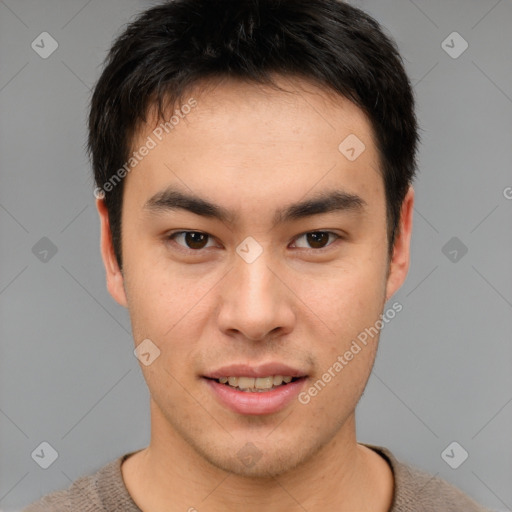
259 457
260 465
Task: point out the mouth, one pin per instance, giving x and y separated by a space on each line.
257 384
249 390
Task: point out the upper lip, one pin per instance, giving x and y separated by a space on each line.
263 370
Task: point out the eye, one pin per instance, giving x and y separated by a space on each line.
194 240
317 239
197 240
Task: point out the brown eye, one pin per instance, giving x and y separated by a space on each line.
317 239
192 239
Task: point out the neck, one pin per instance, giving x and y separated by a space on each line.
170 475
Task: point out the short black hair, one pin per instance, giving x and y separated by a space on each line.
175 45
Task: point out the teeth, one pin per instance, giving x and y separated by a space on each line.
255 384
264 382
246 382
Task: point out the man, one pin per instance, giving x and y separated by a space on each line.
254 162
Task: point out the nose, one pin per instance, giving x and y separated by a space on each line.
256 302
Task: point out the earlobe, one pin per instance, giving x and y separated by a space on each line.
115 278
399 264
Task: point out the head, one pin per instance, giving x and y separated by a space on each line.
281 138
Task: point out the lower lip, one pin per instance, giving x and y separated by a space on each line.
257 403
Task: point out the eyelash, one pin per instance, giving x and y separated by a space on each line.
172 236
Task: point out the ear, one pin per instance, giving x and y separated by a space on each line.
115 279
399 264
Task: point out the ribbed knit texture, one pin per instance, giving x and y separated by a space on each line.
104 491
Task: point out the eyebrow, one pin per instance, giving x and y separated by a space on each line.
172 199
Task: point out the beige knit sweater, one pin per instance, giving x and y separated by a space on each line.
104 491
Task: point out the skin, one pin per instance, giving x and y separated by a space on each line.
253 149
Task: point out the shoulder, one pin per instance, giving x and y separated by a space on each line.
92 493
417 490
55 502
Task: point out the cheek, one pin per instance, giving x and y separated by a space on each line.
171 310
162 308
350 303
347 298
345 357
167 313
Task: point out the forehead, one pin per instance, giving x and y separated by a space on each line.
290 106
243 139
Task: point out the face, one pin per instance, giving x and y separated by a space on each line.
254 247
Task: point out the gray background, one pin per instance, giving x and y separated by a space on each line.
67 372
